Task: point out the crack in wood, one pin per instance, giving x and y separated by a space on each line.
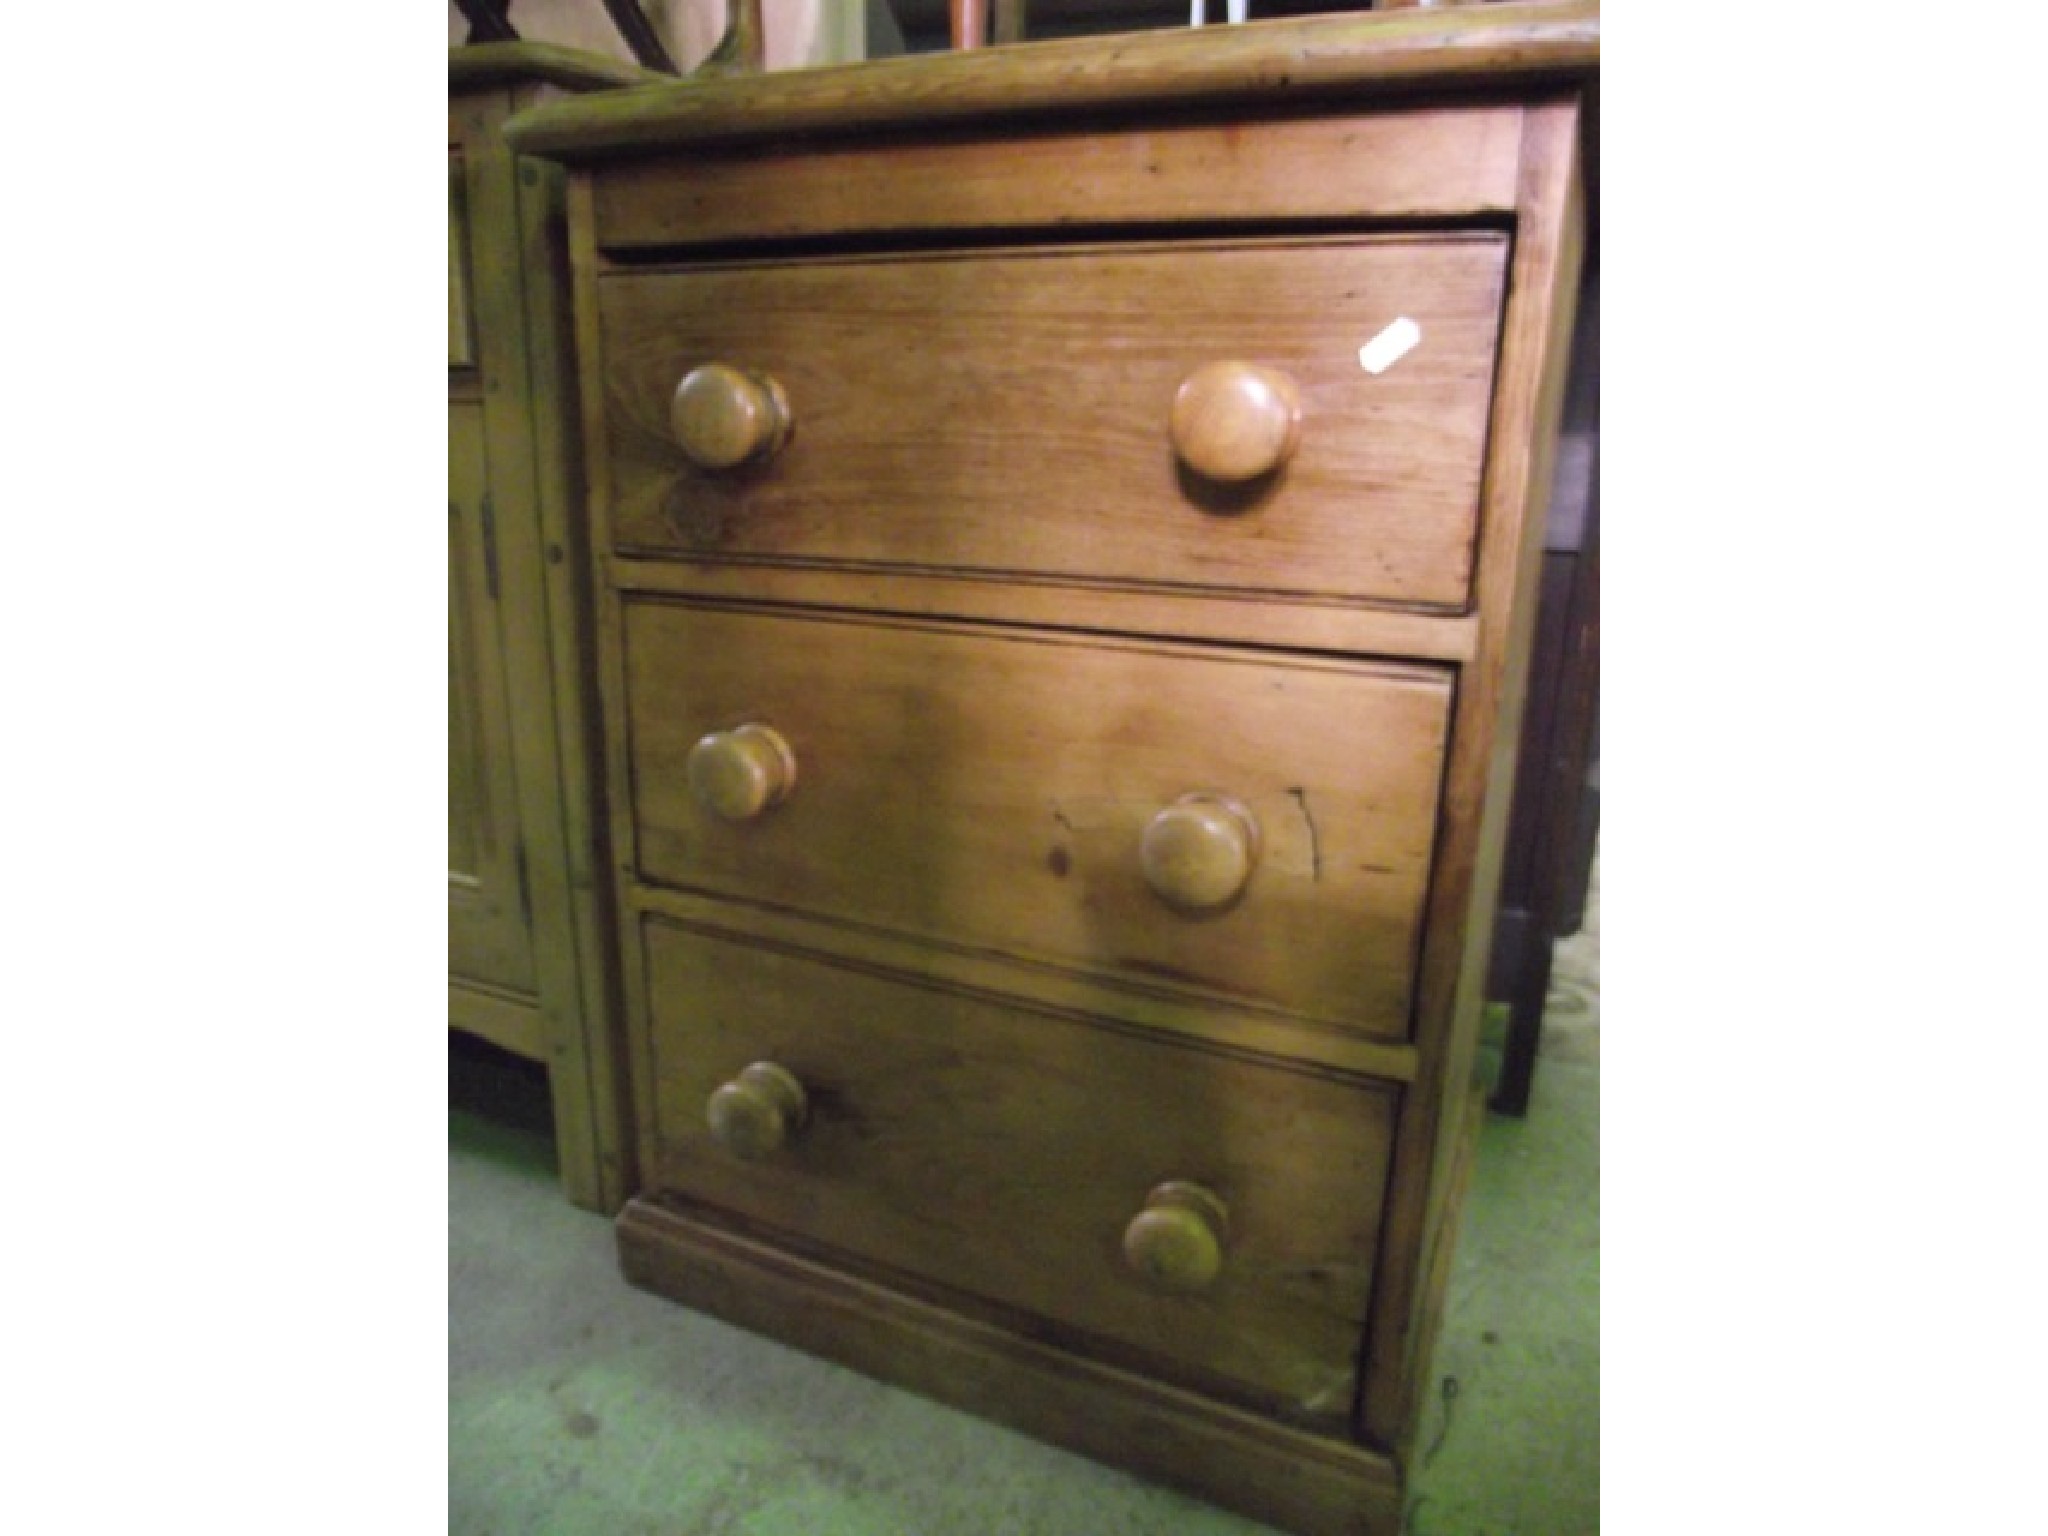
1315 846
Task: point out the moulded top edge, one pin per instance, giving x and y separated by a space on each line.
1360 56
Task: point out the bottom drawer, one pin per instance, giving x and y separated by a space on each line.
995 1149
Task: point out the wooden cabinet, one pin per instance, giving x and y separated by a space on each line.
1064 524
529 944
490 930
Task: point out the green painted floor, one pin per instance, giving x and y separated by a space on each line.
578 1405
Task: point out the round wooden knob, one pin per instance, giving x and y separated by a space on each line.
740 773
757 1112
1236 421
724 417
1198 853
1176 1242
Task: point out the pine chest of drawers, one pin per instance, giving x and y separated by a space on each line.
1064 524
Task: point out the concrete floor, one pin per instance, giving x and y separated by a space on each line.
578 1405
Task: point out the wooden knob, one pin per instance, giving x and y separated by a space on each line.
1198 853
757 1112
1236 421
724 417
740 773
1176 1242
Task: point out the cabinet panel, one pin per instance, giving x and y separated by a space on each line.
488 937
461 345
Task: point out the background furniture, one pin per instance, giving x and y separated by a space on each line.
528 936
1068 525
675 37
925 23
1555 823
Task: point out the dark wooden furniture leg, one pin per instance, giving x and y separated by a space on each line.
1562 832
1555 812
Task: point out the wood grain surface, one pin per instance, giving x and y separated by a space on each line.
1010 414
509 1020
993 789
1445 162
1310 1483
1255 1034
489 939
1004 1152
518 590
570 885
1220 615
1479 771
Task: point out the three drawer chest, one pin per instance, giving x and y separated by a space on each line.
1064 527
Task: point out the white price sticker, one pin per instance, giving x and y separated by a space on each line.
1390 346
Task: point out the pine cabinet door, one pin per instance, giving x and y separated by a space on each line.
489 935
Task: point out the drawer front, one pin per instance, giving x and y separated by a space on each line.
1014 414
1023 793
1005 1153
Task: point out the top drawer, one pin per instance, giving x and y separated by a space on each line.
1014 414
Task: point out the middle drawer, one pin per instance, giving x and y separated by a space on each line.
1248 827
